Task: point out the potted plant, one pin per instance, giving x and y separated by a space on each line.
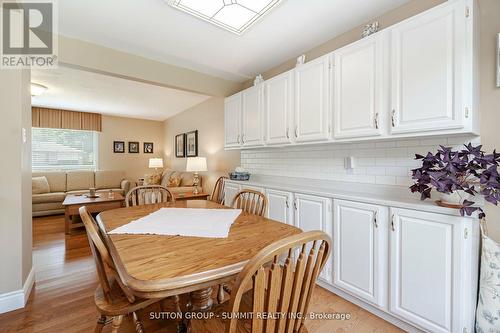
464 173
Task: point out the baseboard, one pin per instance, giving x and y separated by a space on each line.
17 299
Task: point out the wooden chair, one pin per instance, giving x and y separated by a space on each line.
279 279
251 202
112 298
218 192
148 194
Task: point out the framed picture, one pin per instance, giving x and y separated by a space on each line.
133 147
118 146
148 148
498 60
180 149
192 144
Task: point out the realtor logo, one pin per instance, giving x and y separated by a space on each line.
28 30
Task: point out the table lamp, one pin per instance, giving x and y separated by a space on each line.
196 164
156 163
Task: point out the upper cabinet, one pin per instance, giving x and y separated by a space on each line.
359 83
252 116
311 100
416 78
232 121
278 105
427 62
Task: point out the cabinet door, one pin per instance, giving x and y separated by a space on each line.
425 269
311 100
358 88
230 191
280 206
426 64
232 120
314 213
360 250
278 103
252 116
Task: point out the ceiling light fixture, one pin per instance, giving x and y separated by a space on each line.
233 15
37 89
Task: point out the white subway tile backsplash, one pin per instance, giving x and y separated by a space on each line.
385 162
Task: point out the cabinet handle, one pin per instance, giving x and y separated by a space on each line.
376 120
375 220
238 139
243 138
296 131
392 223
287 134
393 118
287 204
295 204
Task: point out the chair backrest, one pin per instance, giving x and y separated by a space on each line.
218 192
251 202
102 257
148 194
282 276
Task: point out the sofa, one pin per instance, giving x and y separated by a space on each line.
61 183
185 181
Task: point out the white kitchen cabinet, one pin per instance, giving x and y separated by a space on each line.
311 106
425 274
252 116
427 70
232 121
230 191
314 213
280 206
360 250
359 86
278 105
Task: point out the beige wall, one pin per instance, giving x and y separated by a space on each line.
129 129
489 97
208 119
15 192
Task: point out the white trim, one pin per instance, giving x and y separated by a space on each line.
17 299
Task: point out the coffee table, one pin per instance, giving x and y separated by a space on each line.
190 196
73 202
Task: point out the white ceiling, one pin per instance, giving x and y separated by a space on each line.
78 90
153 29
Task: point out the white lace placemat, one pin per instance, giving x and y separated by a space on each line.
194 222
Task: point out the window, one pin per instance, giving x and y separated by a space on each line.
63 149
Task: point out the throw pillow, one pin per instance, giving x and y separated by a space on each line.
39 185
174 180
153 179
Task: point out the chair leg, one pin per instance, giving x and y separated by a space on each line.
181 325
220 294
100 324
117 321
137 323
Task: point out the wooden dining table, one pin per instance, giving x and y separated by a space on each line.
158 266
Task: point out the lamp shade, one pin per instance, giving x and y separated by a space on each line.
196 164
156 162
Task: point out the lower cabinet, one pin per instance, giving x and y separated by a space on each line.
314 213
280 206
360 250
425 274
230 191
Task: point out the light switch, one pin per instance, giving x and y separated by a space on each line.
349 162
24 135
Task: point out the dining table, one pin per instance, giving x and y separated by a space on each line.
159 266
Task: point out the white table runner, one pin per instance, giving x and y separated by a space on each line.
195 222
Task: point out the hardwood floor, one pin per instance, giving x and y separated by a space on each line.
62 298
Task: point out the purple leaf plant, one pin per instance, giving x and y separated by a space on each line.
469 170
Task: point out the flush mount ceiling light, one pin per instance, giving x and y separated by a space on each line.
37 89
233 15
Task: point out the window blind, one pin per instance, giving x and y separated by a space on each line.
63 149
